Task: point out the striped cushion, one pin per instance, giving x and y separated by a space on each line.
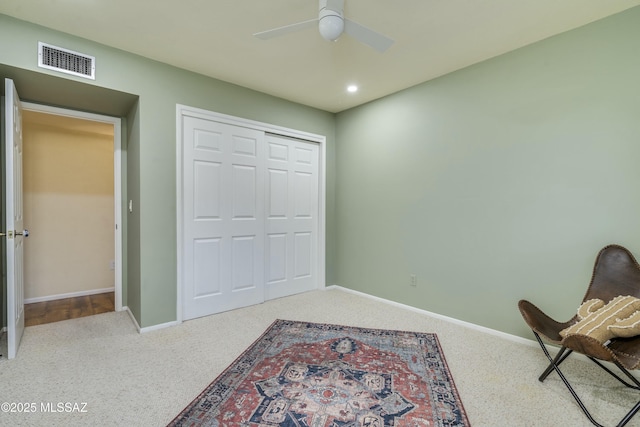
620 317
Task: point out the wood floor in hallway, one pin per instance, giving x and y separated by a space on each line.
39 313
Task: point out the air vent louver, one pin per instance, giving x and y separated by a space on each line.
66 61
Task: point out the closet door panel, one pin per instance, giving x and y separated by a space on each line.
223 241
292 220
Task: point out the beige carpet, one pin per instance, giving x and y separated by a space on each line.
131 379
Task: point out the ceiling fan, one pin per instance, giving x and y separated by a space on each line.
332 23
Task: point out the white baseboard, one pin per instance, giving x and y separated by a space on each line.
69 295
133 318
149 328
469 325
160 326
500 334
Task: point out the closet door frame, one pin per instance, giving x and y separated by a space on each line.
187 111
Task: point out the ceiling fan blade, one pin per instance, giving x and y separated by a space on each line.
265 35
369 37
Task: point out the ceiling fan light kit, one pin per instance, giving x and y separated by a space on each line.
331 21
331 24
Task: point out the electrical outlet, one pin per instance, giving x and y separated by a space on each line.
112 265
413 280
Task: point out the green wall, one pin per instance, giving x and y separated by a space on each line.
498 182
151 150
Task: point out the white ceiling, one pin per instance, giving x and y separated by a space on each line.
214 38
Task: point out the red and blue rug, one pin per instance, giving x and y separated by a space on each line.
301 374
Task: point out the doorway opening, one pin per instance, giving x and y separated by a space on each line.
71 178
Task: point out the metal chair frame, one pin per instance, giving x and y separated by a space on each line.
563 353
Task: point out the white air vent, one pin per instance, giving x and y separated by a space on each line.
66 61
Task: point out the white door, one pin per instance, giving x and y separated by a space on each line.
223 239
292 207
14 222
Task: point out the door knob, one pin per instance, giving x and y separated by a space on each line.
10 233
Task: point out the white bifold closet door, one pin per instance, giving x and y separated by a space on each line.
250 216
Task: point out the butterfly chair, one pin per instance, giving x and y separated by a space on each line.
616 273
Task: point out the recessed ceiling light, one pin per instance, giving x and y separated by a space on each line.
352 88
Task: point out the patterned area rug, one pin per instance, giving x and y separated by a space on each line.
300 374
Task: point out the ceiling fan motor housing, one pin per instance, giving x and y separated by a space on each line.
331 19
